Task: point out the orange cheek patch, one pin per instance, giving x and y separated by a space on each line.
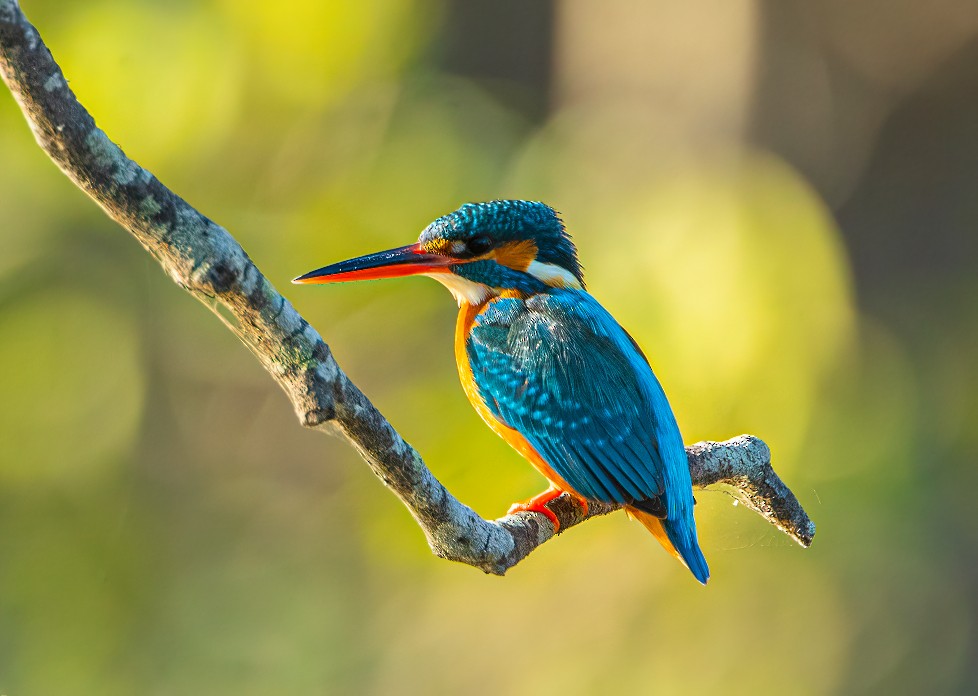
517 255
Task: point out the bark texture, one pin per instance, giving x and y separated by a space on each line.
205 260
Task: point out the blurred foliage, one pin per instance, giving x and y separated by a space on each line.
165 525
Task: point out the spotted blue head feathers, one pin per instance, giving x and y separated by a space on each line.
477 229
548 368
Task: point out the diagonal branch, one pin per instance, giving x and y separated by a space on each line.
201 257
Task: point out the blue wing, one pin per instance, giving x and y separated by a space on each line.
560 370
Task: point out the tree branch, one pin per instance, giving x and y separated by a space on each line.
201 257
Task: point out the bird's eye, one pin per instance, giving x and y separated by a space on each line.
479 244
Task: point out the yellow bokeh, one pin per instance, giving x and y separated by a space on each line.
73 388
312 52
167 527
165 80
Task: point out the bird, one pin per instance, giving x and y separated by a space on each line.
548 368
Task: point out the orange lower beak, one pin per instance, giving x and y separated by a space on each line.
393 263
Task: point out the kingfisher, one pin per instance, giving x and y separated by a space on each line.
548 368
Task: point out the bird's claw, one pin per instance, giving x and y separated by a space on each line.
539 503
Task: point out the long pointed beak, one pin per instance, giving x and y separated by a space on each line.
393 263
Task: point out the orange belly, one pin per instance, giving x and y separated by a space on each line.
466 317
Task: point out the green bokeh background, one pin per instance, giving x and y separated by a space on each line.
775 198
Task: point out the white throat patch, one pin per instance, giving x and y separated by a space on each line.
464 290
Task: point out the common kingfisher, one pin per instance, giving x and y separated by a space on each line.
548 368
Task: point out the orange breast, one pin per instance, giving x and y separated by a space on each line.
466 317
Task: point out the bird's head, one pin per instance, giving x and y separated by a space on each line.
480 250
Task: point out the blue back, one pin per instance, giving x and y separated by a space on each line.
560 370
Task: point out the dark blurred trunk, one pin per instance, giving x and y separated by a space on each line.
912 221
903 189
506 45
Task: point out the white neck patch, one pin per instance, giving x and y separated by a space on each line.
553 275
465 291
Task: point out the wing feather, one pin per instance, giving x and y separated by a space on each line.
561 371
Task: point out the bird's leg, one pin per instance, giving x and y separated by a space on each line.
538 503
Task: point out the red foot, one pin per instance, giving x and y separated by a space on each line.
538 503
583 503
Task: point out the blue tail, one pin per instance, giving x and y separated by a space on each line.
678 539
683 538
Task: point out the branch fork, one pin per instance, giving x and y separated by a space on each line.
205 260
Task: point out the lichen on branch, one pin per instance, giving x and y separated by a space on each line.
204 259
